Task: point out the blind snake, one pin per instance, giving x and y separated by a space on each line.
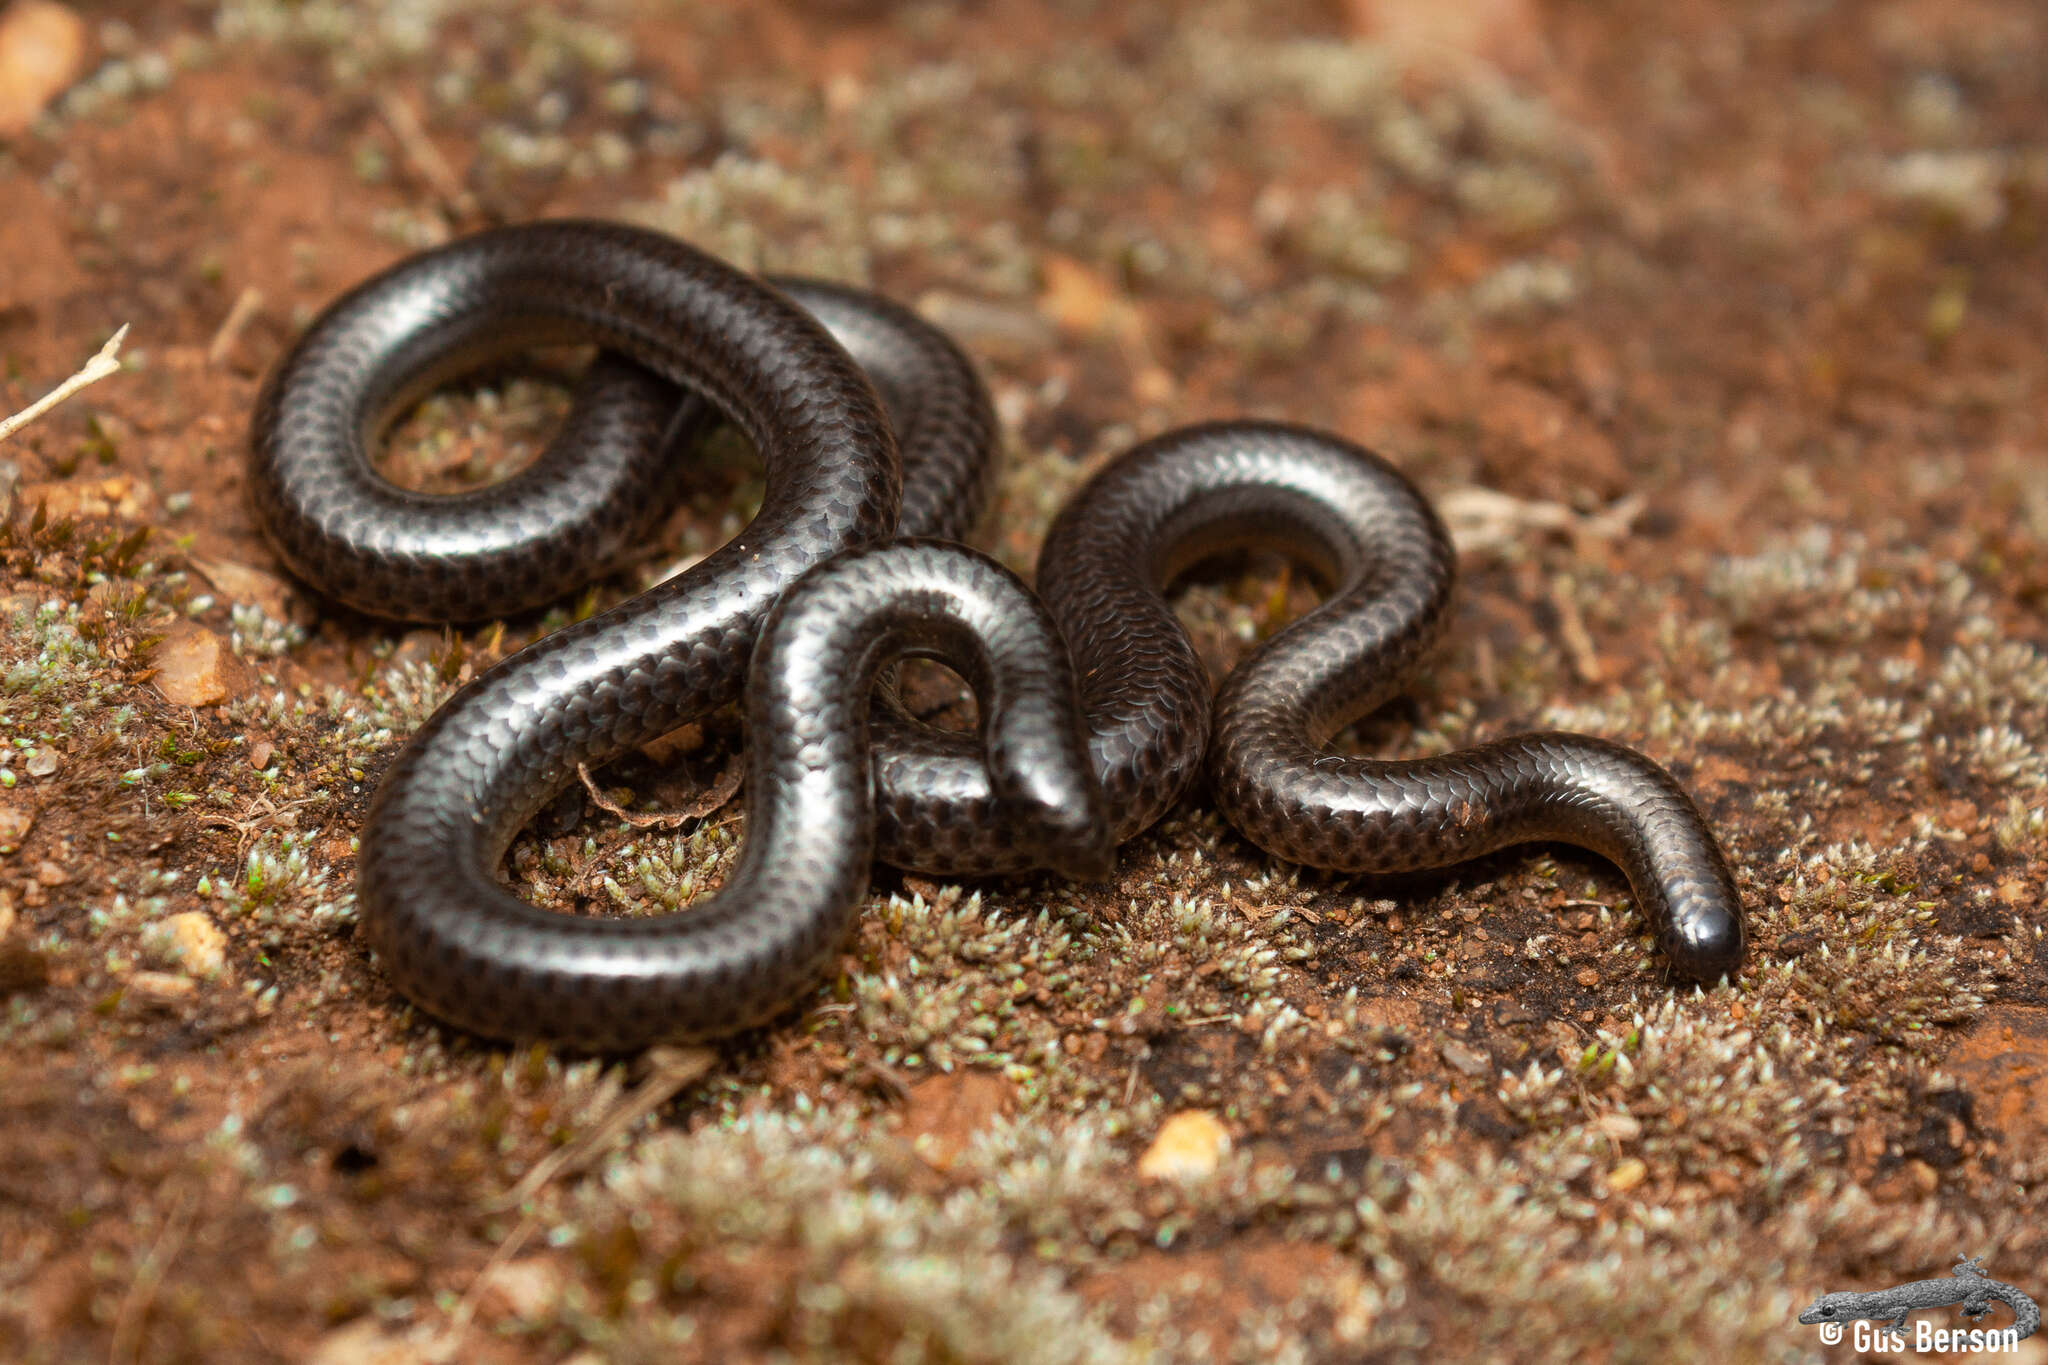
869 424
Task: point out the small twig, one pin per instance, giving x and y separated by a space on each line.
465 1311
674 1068
424 156
1571 630
1614 523
247 305
1485 666
99 367
892 1080
263 813
1482 519
823 1014
149 1276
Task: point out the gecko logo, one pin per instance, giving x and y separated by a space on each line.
1876 1320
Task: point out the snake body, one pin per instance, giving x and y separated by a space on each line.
869 423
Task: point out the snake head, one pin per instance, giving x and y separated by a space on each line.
1047 793
1070 837
1096 862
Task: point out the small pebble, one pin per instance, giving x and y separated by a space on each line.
1627 1174
15 823
42 50
527 1289
1082 301
44 763
240 583
945 1113
1189 1146
190 942
686 739
1464 1060
195 667
365 1342
69 499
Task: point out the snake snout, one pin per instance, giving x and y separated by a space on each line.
1089 857
1708 938
1066 825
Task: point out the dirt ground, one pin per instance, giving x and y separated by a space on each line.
1716 329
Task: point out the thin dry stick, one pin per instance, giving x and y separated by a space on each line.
1485 519
425 157
1571 629
674 1068
459 1320
1486 667
99 367
134 1313
891 1079
247 305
